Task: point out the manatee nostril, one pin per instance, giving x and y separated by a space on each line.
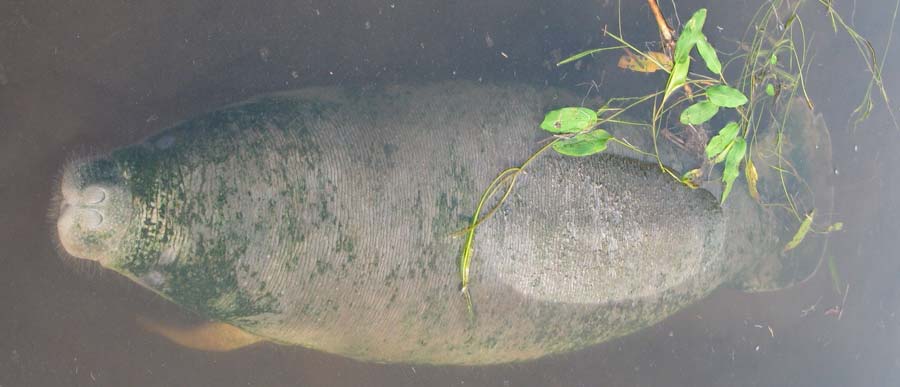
94 195
92 218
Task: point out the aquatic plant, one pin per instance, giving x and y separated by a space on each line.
775 60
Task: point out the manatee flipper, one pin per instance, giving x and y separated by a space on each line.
207 336
806 155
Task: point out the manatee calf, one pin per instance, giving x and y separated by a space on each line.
324 218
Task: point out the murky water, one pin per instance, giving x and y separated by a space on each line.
82 76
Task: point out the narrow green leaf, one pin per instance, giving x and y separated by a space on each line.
732 162
569 120
708 53
699 113
583 144
720 141
770 90
726 96
586 53
676 78
790 20
721 157
835 277
801 232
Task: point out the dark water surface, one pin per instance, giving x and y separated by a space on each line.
87 76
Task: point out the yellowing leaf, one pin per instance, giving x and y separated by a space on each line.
752 178
691 177
642 64
801 232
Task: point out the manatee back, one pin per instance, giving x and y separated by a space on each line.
334 211
602 230
584 250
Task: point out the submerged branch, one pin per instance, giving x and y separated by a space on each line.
666 33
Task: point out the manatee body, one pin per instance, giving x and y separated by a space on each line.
325 218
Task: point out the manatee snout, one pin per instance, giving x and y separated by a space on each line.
93 209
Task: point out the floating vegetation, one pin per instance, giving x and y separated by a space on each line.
835 276
801 232
655 61
774 55
752 179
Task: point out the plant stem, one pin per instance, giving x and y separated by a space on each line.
665 32
465 259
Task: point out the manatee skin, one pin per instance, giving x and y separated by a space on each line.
323 218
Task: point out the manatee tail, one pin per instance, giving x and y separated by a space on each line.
799 180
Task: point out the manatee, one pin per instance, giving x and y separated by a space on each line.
325 218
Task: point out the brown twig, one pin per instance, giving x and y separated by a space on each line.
666 33
667 37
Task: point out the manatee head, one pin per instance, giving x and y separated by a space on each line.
134 212
96 212
110 209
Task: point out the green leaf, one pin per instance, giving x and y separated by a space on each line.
773 59
690 35
732 162
726 96
586 53
837 226
569 120
685 44
801 232
676 78
835 277
699 113
695 23
722 142
719 142
770 90
708 53
721 157
583 144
